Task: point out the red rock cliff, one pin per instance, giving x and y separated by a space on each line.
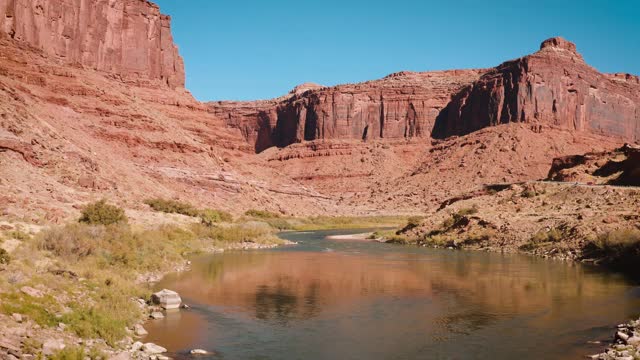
401 105
552 87
129 38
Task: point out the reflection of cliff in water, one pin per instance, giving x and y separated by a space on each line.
283 286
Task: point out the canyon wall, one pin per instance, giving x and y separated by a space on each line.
130 38
401 105
552 87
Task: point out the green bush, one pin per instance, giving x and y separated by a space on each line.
101 213
172 207
262 214
77 353
210 217
5 259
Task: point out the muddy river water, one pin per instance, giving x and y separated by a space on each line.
330 299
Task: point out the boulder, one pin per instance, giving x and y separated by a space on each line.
167 299
139 330
151 348
51 346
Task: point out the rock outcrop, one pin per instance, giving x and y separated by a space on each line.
618 167
552 87
129 38
401 105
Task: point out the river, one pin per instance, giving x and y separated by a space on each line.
330 299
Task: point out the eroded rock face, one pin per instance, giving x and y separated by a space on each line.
401 105
618 167
129 38
553 87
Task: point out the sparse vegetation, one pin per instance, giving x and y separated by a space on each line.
346 222
5 259
547 235
618 243
209 217
19 235
110 259
101 213
468 211
440 239
173 207
77 353
261 214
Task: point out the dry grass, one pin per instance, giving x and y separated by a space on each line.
108 260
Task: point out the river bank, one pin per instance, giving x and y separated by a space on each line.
82 289
79 291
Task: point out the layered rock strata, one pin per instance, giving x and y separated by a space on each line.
128 38
401 105
552 87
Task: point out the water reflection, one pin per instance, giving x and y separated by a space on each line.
393 304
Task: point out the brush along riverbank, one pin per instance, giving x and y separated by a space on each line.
82 289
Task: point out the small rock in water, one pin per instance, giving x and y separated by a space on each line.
156 315
185 306
139 330
167 299
151 348
199 352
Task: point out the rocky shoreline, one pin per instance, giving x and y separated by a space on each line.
626 345
22 338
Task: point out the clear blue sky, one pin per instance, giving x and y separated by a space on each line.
257 49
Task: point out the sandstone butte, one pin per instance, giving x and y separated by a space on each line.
94 105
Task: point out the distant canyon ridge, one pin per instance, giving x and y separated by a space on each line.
94 105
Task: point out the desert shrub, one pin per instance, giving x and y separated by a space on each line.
77 353
239 233
172 207
618 241
262 214
101 213
468 211
71 241
5 259
279 223
209 217
546 236
459 217
414 221
529 193
19 235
